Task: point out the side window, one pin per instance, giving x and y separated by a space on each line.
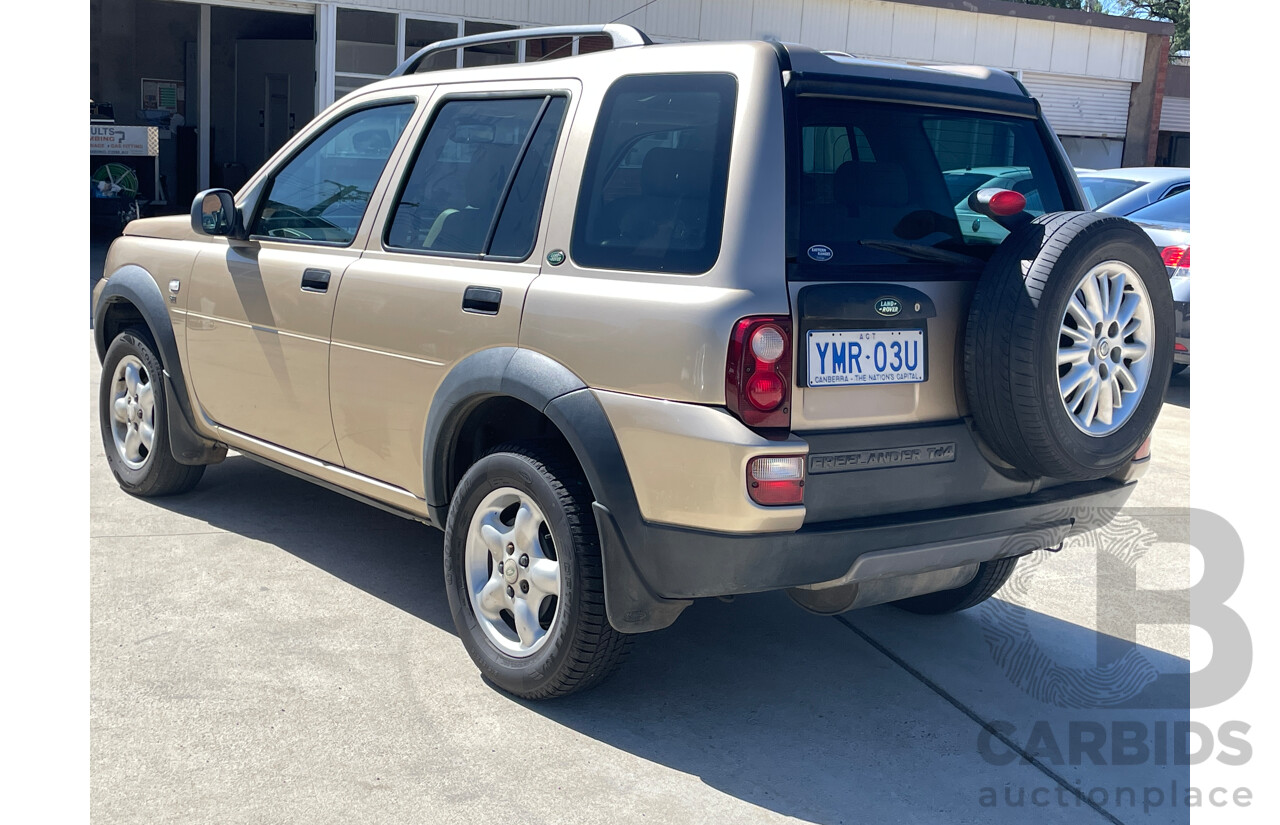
321 193
653 190
460 196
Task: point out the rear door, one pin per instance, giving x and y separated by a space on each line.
260 310
888 252
456 244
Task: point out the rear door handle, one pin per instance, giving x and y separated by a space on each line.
315 280
482 300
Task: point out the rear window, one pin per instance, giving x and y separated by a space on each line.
1102 191
883 184
1173 209
652 196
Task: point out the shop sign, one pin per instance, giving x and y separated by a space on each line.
124 140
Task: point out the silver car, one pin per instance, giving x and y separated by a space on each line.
1168 223
1123 191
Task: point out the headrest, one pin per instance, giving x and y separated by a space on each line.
871 184
487 173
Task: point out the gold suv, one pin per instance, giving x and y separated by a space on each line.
654 324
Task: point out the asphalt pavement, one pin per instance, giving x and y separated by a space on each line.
264 650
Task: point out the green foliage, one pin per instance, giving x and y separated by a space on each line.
1177 12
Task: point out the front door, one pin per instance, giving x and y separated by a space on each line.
455 249
260 311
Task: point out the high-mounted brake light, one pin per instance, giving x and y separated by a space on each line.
997 203
776 479
1177 257
757 378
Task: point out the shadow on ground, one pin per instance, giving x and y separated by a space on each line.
791 712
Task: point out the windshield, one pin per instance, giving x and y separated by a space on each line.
1102 191
1173 209
888 185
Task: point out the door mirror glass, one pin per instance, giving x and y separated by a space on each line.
213 212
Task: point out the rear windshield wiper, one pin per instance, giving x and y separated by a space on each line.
926 253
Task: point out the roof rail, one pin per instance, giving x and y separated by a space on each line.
621 34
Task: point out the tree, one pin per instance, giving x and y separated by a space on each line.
1177 12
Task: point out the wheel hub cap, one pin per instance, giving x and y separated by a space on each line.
132 412
512 572
1104 348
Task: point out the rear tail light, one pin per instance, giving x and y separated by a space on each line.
1177 258
1179 347
757 378
1144 451
776 479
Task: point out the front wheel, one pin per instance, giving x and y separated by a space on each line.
132 412
523 572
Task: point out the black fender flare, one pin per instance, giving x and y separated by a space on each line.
134 285
555 391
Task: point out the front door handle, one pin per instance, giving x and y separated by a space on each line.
315 280
482 300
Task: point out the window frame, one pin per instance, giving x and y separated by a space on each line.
264 185
420 139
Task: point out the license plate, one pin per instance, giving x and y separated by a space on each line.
865 356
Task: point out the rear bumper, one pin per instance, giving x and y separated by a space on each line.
673 565
653 568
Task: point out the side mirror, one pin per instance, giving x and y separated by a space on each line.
214 212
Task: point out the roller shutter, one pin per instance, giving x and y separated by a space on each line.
1089 107
1175 114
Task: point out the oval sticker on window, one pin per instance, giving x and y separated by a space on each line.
820 253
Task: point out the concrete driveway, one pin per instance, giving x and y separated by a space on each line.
263 650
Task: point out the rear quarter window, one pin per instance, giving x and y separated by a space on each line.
653 189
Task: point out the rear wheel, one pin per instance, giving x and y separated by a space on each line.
523 572
132 412
991 577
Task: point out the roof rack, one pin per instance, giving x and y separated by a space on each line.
621 34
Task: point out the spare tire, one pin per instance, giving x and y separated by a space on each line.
1069 345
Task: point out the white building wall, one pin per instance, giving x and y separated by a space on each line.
1081 74
870 28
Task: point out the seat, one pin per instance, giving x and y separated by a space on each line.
464 228
671 211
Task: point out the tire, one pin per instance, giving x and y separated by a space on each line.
132 403
991 577
1083 417
521 541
